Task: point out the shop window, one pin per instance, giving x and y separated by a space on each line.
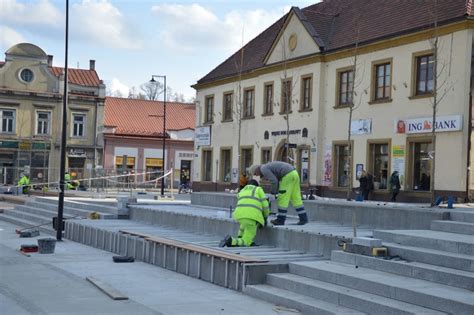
342 165
154 168
303 165
379 161
226 165
266 155
421 162
8 121
246 159
207 165
78 127
227 110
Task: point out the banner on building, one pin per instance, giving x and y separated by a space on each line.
361 127
203 136
398 162
424 125
327 175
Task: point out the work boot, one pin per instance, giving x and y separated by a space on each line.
278 221
227 241
303 219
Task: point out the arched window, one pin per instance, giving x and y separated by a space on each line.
305 133
266 135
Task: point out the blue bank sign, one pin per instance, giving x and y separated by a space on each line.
424 125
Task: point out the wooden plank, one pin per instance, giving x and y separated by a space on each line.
107 289
196 248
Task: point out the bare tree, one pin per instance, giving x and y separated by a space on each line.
152 90
238 111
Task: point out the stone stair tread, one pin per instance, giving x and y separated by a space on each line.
458 227
416 285
428 250
52 212
65 209
281 294
354 293
428 234
22 222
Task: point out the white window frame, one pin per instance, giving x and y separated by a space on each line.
49 122
73 125
13 131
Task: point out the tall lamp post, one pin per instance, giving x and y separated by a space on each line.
164 129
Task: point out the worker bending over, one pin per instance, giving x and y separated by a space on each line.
251 212
285 182
24 183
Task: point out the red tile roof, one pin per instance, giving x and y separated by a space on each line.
79 76
334 23
132 116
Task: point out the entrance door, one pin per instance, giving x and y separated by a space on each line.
185 172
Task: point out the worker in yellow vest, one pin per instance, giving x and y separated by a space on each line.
251 212
24 183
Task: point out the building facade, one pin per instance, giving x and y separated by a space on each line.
299 79
31 101
134 131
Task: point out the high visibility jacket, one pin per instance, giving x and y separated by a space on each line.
67 177
252 204
24 181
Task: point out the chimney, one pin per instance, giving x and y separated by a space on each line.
50 60
91 64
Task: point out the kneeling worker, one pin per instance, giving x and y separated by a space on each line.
285 182
251 212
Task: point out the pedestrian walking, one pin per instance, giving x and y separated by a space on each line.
394 185
285 182
251 213
364 186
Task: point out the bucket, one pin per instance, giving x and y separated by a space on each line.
46 245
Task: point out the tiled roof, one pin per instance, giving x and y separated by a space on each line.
132 116
79 76
336 22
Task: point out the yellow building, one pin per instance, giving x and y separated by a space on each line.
31 102
296 81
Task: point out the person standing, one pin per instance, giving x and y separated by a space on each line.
394 185
285 182
251 212
24 183
364 185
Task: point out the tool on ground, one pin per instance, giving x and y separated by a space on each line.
29 248
123 259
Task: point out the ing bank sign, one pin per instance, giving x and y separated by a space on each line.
424 125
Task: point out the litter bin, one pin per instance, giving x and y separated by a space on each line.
46 245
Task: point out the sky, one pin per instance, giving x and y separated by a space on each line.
131 40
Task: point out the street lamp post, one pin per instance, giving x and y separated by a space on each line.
164 130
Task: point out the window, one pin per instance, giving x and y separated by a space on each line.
248 103
383 78
246 159
78 127
266 155
209 109
346 81
43 122
227 108
304 133
378 164
268 99
421 162
424 74
26 75
8 121
266 135
286 96
207 165
342 165
303 164
306 87
226 165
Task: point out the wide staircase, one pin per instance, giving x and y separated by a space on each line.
427 272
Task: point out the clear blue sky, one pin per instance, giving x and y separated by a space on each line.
133 39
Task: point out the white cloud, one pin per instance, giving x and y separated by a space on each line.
116 85
39 12
191 27
101 22
9 37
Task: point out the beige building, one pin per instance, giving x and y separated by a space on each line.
31 103
297 78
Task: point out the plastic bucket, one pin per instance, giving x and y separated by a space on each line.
46 245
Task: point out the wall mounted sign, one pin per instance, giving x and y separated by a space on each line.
203 136
424 125
283 132
361 127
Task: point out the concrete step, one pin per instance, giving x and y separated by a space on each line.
304 304
69 209
452 277
453 227
23 223
450 242
89 205
414 291
462 216
41 212
431 256
342 296
35 219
